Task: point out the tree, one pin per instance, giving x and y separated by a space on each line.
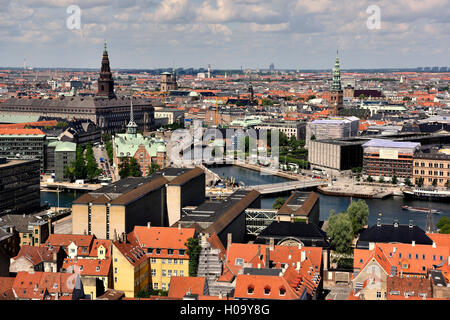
313 137
152 168
278 203
310 97
339 229
79 164
394 179
381 180
129 167
69 172
193 251
434 183
92 169
369 179
419 182
408 182
358 212
442 222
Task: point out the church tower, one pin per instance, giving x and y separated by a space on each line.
105 81
337 94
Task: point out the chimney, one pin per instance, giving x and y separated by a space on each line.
411 224
434 244
413 243
229 239
379 222
179 226
149 224
55 255
395 223
259 251
298 266
292 218
267 260
299 245
272 244
259 265
278 219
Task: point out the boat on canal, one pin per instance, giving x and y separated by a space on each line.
420 209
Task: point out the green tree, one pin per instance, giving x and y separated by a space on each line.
442 222
381 180
313 137
408 182
339 230
129 167
92 169
278 203
79 164
419 182
445 229
310 97
193 251
434 183
369 179
152 168
394 179
69 172
358 212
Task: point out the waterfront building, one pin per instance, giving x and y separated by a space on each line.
117 208
301 206
19 186
386 158
59 155
167 250
434 168
146 150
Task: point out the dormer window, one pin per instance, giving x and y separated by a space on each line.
170 252
181 252
266 290
250 289
97 269
150 250
158 251
282 291
239 262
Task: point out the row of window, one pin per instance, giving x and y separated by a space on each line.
436 173
168 273
431 165
170 252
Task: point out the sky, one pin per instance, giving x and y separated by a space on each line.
227 34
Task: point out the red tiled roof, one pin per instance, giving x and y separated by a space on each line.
132 252
88 267
179 286
37 255
6 284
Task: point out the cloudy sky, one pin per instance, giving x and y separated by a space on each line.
296 34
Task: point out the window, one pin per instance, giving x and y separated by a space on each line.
170 252
150 250
239 262
266 290
163 286
181 261
115 279
163 261
423 257
175 273
282 291
153 272
169 273
181 252
155 286
115 270
164 273
158 251
434 257
181 273
250 290
175 261
153 260
378 294
169 261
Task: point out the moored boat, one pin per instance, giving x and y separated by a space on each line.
420 209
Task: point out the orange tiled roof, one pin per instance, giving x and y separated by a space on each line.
179 286
88 267
15 131
63 240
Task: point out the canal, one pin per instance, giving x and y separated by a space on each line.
390 208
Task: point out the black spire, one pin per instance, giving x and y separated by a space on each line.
105 81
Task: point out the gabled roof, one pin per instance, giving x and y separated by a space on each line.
162 237
88 267
6 284
132 252
37 255
64 240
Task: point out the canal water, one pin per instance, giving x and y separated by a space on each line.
390 208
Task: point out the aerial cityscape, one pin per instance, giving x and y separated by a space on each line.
131 171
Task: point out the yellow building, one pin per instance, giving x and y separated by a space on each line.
131 268
167 252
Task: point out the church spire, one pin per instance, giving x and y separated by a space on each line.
132 126
336 85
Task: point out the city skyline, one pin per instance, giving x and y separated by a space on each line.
225 34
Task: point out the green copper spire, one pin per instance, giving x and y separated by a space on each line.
336 86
